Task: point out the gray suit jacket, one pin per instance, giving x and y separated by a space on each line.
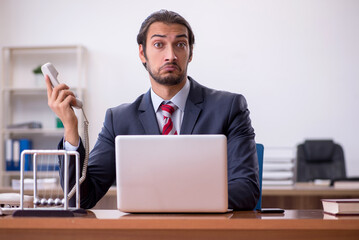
207 111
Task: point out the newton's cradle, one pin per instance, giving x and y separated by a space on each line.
58 207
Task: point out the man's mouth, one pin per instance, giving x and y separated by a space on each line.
169 67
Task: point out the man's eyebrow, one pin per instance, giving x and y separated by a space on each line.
163 36
158 35
182 35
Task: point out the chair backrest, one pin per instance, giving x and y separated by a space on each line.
260 152
320 159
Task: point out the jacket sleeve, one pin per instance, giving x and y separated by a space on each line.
243 181
101 167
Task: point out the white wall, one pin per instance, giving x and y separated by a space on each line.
296 61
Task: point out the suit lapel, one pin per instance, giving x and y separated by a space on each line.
193 107
147 115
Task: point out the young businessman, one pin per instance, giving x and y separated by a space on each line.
166 48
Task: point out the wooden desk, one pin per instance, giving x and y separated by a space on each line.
112 224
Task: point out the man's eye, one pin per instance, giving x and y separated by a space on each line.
181 44
158 45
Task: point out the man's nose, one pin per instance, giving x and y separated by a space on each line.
170 54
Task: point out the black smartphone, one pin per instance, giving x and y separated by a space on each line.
272 210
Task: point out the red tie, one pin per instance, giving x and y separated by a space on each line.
167 111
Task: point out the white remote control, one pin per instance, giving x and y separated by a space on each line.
49 70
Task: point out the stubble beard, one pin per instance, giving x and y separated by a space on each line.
170 80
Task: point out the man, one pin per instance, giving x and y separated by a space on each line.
165 48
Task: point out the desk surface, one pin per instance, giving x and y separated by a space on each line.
112 224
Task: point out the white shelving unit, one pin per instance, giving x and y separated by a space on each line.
24 96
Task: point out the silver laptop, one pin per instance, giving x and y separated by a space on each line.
176 173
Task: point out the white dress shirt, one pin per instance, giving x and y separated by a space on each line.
179 100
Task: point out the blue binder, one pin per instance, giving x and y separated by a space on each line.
25 144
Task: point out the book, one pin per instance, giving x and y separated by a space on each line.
287 182
8 155
14 148
16 155
276 175
277 166
25 144
341 206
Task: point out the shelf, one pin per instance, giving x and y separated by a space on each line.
31 174
46 49
24 98
34 131
31 91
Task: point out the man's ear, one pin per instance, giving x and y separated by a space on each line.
191 52
142 54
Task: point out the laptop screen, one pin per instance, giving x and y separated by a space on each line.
173 173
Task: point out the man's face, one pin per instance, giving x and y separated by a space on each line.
167 53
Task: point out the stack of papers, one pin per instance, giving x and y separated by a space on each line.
10 202
278 166
42 184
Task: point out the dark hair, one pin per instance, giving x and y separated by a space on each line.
168 17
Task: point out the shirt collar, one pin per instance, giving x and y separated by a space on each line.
179 99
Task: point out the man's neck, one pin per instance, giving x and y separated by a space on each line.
167 92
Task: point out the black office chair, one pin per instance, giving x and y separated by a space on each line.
320 159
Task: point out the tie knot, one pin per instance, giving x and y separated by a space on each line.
168 109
